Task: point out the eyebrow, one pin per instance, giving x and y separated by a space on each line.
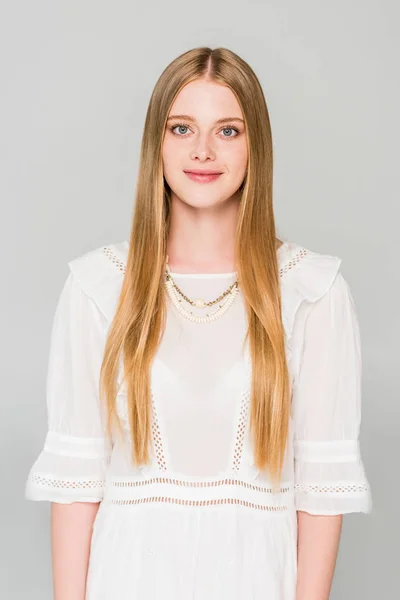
192 119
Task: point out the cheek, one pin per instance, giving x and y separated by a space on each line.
171 155
236 160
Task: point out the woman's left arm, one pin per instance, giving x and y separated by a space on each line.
317 548
330 479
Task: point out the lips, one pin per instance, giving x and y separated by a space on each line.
200 172
203 176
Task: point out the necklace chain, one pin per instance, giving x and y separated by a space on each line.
225 300
190 315
199 303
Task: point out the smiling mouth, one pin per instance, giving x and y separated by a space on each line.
203 176
200 172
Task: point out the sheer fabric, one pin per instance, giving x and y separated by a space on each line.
200 521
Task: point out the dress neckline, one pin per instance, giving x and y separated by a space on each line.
175 274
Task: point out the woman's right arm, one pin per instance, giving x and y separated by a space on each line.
70 471
71 534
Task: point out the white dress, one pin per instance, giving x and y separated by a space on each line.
200 522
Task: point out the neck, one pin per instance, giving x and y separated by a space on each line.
202 239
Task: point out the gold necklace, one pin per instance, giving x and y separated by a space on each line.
225 300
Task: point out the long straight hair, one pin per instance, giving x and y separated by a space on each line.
139 321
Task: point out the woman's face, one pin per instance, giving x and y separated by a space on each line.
205 132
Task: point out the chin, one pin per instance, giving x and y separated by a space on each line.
200 202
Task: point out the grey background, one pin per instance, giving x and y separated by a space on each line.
76 78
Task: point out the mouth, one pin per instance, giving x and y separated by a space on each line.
203 176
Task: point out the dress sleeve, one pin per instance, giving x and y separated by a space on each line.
330 477
71 466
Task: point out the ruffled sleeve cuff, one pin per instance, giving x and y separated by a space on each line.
330 478
69 469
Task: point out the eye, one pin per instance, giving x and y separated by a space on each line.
180 126
230 129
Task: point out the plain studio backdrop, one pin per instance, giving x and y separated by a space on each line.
76 79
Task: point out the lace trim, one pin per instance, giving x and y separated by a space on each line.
199 492
50 482
155 429
114 259
300 254
331 489
241 429
180 482
213 502
158 445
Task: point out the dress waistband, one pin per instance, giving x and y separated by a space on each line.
197 492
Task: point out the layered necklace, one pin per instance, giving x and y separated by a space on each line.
176 295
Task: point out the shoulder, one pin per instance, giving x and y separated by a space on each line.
307 276
306 272
100 272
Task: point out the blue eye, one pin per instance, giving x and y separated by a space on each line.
230 129
180 127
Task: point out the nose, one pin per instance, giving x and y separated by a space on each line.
202 149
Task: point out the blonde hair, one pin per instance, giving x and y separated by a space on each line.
140 317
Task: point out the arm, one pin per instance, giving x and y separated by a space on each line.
71 534
329 474
317 548
70 470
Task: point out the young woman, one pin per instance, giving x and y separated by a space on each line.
204 376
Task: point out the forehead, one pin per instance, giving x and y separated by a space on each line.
206 100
